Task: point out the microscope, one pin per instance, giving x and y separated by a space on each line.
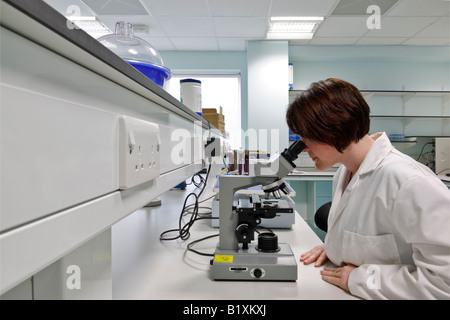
236 257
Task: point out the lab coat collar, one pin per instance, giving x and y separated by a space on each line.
379 150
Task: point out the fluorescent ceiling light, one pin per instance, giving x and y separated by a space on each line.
292 27
297 18
81 18
90 25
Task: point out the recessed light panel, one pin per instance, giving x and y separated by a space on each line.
292 27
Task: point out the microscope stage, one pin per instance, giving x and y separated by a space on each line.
251 264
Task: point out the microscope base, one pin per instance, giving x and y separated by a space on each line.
251 264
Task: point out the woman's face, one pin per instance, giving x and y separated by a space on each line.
323 155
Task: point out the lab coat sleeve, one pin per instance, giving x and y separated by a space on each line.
421 214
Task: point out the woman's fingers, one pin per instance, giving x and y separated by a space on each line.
315 254
321 259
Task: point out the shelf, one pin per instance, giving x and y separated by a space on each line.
409 112
404 93
398 93
430 136
411 117
405 141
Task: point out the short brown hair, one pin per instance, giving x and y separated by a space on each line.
331 111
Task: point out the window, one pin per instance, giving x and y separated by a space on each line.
223 90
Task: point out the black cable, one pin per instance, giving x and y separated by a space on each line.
189 246
184 231
421 151
195 183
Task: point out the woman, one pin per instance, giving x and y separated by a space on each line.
389 222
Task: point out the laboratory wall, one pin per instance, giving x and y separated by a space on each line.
402 68
410 68
374 67
268 95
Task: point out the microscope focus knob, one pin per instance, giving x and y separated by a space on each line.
244 233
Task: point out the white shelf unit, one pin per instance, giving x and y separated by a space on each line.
409 113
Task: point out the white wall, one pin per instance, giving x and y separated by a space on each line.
374 67
367 67
268 95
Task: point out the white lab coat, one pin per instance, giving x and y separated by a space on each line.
393 222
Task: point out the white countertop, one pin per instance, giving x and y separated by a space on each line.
146 268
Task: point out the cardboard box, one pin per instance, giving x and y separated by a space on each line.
216 119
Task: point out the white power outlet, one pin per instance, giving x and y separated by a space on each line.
139 147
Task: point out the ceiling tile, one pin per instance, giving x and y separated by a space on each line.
187 26
116 7
342 27
381 41
203 44
302 8
159 43
401 26
154 30
440 28
228 24
196 8
359 7
239 8
242 27
420 8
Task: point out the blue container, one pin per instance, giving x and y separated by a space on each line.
158 74
137 52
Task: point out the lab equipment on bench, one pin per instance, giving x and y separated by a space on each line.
137 52
236 257
284 219
191 94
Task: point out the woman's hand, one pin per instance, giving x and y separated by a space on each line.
338 276
316 254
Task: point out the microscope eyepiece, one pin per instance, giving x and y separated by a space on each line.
294 150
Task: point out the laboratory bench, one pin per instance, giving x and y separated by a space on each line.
143 267
70 109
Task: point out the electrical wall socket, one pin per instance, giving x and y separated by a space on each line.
139 147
